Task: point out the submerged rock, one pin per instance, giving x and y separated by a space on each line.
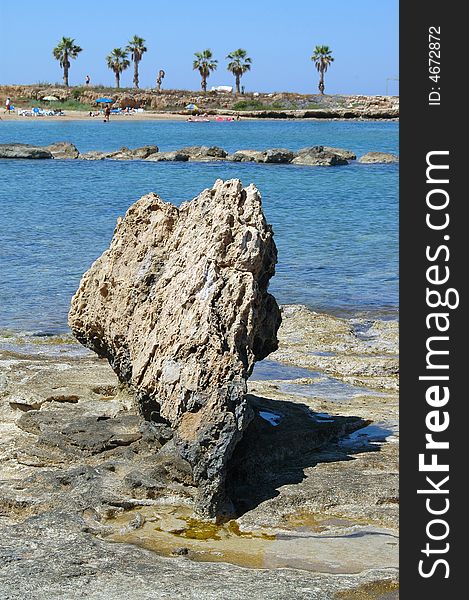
179 306
378 157
23 151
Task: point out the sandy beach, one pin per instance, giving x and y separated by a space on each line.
78 115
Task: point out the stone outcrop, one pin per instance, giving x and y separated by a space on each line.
137 154
95 155
173 156
123 153
246 156
203 153
25 151
179 306
318 156
63 150
378 157
341 152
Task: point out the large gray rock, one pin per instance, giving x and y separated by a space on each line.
318 156
272 155
378 157
247 156
23 151
94 155
341 152
204 153
179 306
278 155
63 150
136 154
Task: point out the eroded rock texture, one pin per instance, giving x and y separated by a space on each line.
179 306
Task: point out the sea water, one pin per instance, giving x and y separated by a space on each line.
336 228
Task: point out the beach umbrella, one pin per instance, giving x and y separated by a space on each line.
50 98
104 101
191 107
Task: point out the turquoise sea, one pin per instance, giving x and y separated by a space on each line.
336 228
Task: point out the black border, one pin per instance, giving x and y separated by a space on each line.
424 128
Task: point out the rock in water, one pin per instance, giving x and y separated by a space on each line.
179 306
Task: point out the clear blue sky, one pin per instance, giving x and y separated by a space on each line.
278 35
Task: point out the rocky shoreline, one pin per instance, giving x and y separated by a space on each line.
82 472
279 105
322 156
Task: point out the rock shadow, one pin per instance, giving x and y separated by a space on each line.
283 440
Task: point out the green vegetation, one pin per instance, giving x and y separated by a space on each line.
117 61
238 65
322 58
137 49
70 104
65 50
205 64
258 105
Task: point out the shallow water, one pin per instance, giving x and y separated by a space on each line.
335 228
360 137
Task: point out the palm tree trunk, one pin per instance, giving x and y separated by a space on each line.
66 65
204 84
136 73
117 80
238 81
321 83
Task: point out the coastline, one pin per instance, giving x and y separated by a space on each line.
77 464
75 115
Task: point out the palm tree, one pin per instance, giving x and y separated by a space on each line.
322 58
238 65
117 61
65 50
137 49
205 64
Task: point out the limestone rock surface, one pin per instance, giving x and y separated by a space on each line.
16 150
179 306
203 153
378 157
319 156
172 156
63 150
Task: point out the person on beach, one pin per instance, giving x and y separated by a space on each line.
87 80
8 105
107 113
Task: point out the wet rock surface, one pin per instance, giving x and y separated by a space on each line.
82 470
179 306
